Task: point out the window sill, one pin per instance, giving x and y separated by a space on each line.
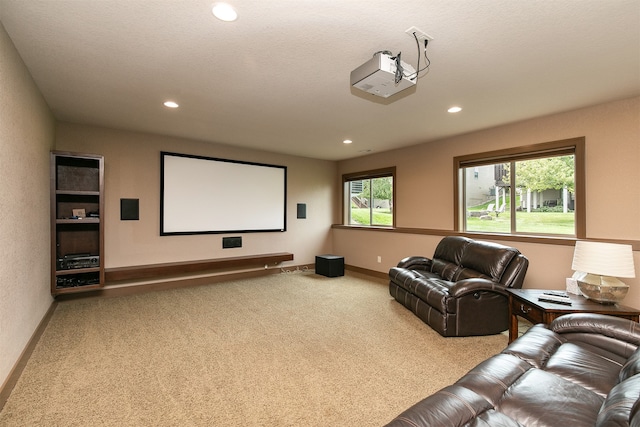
364 227
546 240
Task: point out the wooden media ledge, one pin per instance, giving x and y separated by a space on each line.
151 271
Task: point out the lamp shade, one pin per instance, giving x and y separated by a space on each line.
605 259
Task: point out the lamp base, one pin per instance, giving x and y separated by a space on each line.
602 289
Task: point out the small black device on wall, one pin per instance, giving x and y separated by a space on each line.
129 209
231 242
302 210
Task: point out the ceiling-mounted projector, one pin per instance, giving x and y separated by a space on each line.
378 75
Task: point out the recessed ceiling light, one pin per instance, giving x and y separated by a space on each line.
347 141
224 12
454 110
171 104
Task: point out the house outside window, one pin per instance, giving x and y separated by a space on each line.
535 190
369 198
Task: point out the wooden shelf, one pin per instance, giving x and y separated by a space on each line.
78 193
77 183
78 221
75 271
191 267
76 289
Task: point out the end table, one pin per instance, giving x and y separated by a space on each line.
524 303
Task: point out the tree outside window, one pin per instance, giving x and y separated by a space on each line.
547 195
528 191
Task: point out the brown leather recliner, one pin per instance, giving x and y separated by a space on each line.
582 370
461 290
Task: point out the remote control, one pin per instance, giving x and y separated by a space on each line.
556 294
555 299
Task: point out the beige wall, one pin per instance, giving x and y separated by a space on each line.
424 180
26 136
132 170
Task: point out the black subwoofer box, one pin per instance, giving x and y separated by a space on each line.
330 265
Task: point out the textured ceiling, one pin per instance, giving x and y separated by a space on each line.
277 79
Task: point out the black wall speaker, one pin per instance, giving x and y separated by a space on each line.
302 210
129 210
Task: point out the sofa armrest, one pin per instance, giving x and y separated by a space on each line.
475 284
415 263
453 406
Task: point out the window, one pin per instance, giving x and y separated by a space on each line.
369 198
535 190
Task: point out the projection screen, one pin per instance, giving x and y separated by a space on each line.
203 195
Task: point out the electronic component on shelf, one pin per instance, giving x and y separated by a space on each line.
73 261
72 282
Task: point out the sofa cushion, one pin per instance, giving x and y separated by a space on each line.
631 367
634 417
591 367
616 408
451 248
536 346
443 268
491 378
617 335
541 399
452 406
409 279
469 273
435 292
493 418
490 259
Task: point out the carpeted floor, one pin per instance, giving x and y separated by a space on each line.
282 350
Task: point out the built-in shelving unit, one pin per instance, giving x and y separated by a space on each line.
77 226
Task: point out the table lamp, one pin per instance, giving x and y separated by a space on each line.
598 265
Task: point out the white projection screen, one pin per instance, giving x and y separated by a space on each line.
203 195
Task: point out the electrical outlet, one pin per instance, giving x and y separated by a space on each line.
379 258
420 35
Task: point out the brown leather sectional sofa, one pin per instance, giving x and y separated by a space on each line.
581 370
461 290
